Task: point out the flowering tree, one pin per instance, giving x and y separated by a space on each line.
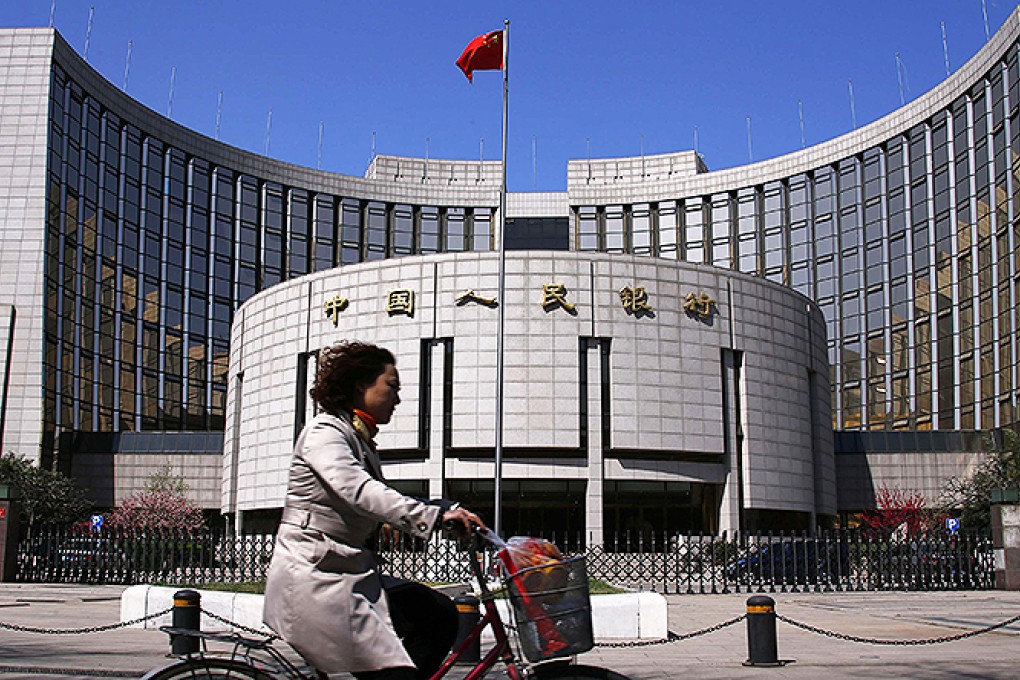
895 508
162 506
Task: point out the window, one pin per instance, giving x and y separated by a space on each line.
403 230
324 221
350 231
694 231
481 236
641 233
587 229
456 230
376 231
667 230
616 237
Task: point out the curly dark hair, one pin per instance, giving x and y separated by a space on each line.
344 366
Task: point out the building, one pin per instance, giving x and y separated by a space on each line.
127 243
641 394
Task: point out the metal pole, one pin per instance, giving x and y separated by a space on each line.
800 111
187 614
318 155
88 32
899 78
170 99
750 151
642 155
498 504
853 108
127 65
762 649
534 163
269 130
219 112
945 48
587 141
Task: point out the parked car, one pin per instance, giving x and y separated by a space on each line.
95 555
933 563
789 562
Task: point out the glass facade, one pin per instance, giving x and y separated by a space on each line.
910 248
149 250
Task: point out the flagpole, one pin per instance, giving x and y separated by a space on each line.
498 511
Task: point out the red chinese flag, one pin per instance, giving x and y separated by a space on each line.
484 53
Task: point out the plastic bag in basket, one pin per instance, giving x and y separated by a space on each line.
525 552
540 586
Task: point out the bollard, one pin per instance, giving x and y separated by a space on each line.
187 613
761 632
467 618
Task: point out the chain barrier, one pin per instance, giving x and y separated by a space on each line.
897 643
51 672
240 626
674 637
82 631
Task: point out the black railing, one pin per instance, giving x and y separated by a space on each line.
830 561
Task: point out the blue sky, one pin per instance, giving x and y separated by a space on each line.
624 75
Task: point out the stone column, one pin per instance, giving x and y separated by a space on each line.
1006 542
9 521
595 494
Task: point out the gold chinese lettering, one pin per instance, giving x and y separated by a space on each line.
471 296
400 301
699 306
635 300
555 294
333 307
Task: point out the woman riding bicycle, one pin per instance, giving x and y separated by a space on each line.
324 593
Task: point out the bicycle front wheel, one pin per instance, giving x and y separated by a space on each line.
567 671
206 669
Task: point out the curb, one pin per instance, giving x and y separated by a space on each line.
626 616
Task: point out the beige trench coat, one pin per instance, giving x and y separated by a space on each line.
323 591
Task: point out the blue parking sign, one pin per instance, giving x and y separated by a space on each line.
97 522
952 524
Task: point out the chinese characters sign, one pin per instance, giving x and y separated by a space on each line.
400 301
634 300
333 307
555 294
471 296
699 306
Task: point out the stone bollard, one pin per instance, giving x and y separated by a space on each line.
762 649
467 618
187 614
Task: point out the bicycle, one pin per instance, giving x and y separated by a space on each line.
256 659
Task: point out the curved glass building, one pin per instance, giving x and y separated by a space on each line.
128 241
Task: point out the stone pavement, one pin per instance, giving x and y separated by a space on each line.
718 655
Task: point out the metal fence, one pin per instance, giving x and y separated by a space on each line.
829 561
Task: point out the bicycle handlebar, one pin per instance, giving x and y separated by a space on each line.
477 532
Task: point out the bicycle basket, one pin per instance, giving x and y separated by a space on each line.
552 609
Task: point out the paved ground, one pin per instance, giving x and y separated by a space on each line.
894 616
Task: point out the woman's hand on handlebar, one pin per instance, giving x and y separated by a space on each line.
461 521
